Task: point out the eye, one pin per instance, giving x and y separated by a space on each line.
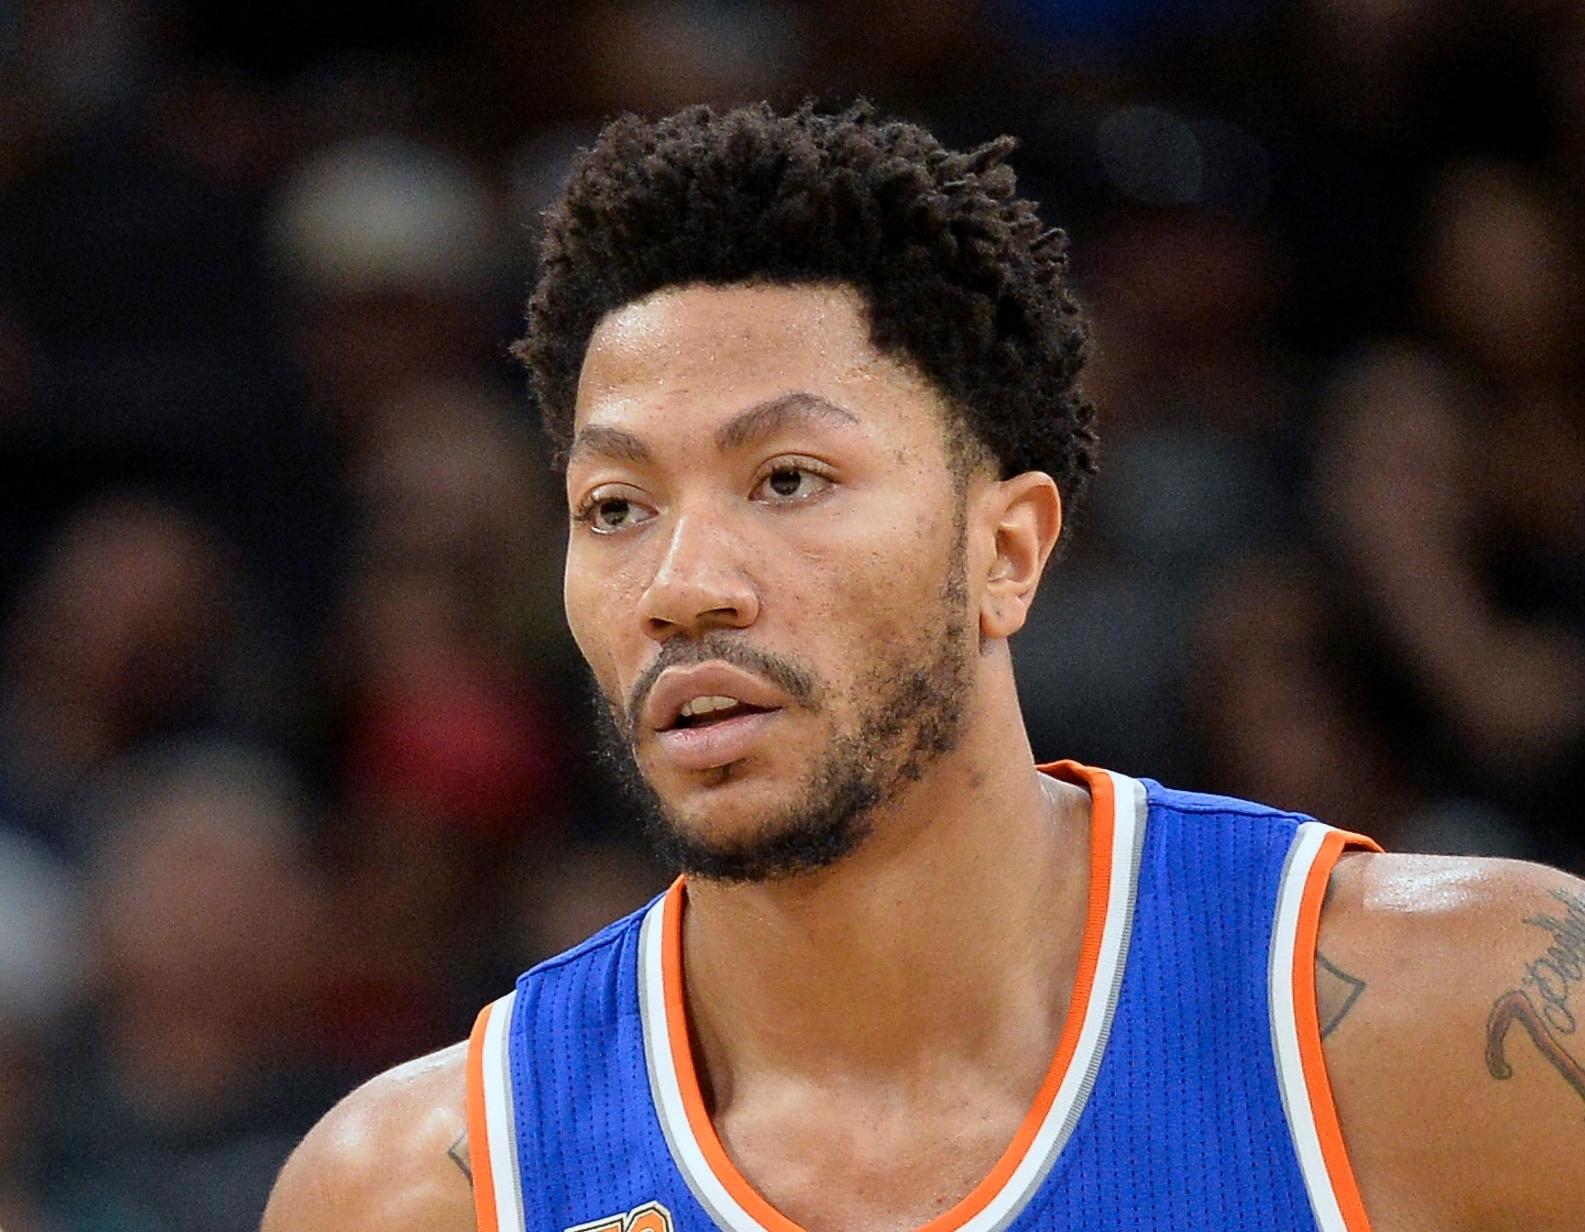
606 513
786 482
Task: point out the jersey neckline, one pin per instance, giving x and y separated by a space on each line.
1117 813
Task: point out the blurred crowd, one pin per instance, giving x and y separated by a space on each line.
293 769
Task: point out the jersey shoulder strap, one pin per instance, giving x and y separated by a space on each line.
555 1084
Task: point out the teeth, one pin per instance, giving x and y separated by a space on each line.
704 705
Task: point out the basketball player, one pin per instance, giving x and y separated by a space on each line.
815 382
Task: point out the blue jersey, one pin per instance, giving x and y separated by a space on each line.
1188 1091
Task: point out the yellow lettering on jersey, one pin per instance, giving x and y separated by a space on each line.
651 1217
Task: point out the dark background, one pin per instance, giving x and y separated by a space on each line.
293 770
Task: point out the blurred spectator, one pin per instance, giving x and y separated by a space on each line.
454 491
454 753
1500 276
386 246
1199 466
66 63
194 1078
1404 473
124 634
1287 697
1194 351
1367 63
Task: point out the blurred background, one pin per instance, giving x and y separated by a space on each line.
292 738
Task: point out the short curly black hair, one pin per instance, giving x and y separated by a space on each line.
957 271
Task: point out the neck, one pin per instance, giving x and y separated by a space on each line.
950 937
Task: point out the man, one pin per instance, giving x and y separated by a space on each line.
814 378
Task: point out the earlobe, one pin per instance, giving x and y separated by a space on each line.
1027 514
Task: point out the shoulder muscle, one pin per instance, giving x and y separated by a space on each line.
386 1157
1456 1059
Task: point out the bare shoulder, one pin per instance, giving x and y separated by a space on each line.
391 1155
1451 992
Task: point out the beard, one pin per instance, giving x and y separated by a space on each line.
910 711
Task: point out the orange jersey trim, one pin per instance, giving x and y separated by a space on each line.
1323 1107
478 1132
1102 804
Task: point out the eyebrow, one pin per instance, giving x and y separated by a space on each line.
608 442
750 424
777 413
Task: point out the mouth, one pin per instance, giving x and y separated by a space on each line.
717 736
703 712
707 715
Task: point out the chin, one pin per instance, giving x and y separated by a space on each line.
744 831
765 817
725 805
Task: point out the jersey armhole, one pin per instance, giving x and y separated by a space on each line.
492 1145
1296 1028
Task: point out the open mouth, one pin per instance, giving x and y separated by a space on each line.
709 731
707 711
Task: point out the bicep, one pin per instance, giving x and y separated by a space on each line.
386 1159
306 1197
319 1192
1531 1140
1457 1069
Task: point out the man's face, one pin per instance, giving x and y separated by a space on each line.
766 571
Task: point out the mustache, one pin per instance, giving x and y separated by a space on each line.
792 678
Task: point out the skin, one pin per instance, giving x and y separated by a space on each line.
981 856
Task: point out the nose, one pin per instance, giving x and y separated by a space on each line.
700 584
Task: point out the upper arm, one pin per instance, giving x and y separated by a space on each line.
1457 1069
381 1160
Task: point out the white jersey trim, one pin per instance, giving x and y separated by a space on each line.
1298 1099
500 1117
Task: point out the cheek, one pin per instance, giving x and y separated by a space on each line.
576 600
882 581
593 603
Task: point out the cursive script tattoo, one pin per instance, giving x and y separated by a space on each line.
1563 965
1516 1007
1550 1012
458 1154
1336 991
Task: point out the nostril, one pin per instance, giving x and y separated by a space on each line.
724 616
659 628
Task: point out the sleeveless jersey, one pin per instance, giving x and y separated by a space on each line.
1188 1091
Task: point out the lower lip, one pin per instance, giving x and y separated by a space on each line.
713 745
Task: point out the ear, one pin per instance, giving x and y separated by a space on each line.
1026 512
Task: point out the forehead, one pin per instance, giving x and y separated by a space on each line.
699 352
